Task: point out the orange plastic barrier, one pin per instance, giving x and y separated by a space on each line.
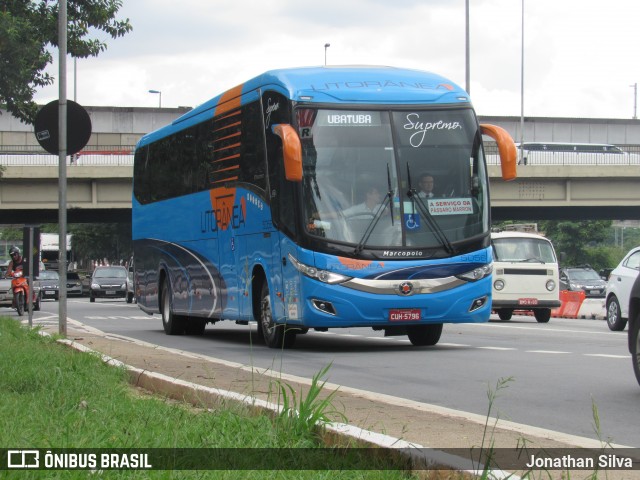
571 303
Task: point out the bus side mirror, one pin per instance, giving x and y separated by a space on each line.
291 150
506 149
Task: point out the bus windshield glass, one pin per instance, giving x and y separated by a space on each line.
379 179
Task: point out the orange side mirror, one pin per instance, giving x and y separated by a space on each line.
506 149
292 151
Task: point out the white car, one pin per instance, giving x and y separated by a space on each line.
619 289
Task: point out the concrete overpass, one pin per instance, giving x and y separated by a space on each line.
102 193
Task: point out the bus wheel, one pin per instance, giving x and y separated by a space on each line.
172 323
274 335
635 348
543 315
505 314
423 335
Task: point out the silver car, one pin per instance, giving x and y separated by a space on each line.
49 283
74 284
619 289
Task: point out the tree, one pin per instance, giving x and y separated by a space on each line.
579 242
28 28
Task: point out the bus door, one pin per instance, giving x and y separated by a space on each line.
284 278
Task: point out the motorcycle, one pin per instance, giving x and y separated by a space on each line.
20 287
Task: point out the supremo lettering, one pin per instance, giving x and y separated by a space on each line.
421 128
349 119
221 218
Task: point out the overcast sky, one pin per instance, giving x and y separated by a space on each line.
581 57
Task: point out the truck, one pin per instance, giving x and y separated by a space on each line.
50 250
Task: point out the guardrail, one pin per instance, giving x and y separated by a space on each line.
122 155
90 156
630 155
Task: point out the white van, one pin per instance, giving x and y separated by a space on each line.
525 275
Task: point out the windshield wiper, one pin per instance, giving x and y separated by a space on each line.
377 216
435 228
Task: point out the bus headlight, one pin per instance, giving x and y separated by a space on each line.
477 273
551 285
498 284
322 275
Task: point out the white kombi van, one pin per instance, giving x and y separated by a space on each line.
525 275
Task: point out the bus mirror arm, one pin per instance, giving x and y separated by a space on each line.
506 149
291 151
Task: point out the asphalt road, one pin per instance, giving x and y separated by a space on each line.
559 371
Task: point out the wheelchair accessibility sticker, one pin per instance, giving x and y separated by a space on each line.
412 221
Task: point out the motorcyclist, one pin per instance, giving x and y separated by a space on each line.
17 261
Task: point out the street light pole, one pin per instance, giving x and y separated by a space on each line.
159 97
467 50
522 90
635 100
326 45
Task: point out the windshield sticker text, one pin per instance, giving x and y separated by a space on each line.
451 206
421 128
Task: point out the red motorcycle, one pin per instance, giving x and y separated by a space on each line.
20 287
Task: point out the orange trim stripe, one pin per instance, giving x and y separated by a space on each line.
226 127
229 100
218 140
227 147
226 158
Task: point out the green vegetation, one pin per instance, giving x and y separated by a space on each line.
30 29
49 393
598 243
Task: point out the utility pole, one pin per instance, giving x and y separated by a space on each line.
635 100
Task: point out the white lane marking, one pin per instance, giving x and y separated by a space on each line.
538 329
546 351
497 348
606 356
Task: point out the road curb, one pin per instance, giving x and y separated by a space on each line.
418 457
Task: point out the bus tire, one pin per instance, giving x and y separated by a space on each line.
274 335
543 315
172 324
505 314
424 335
634 345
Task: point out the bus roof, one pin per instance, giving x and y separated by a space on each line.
339 85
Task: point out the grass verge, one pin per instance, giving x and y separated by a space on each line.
55 397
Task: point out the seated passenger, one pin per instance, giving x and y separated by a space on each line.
369 206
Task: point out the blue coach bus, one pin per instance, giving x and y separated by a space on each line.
295 200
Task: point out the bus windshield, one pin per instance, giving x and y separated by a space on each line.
404 178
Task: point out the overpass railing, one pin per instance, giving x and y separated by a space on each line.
630 155
122 155
28 155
